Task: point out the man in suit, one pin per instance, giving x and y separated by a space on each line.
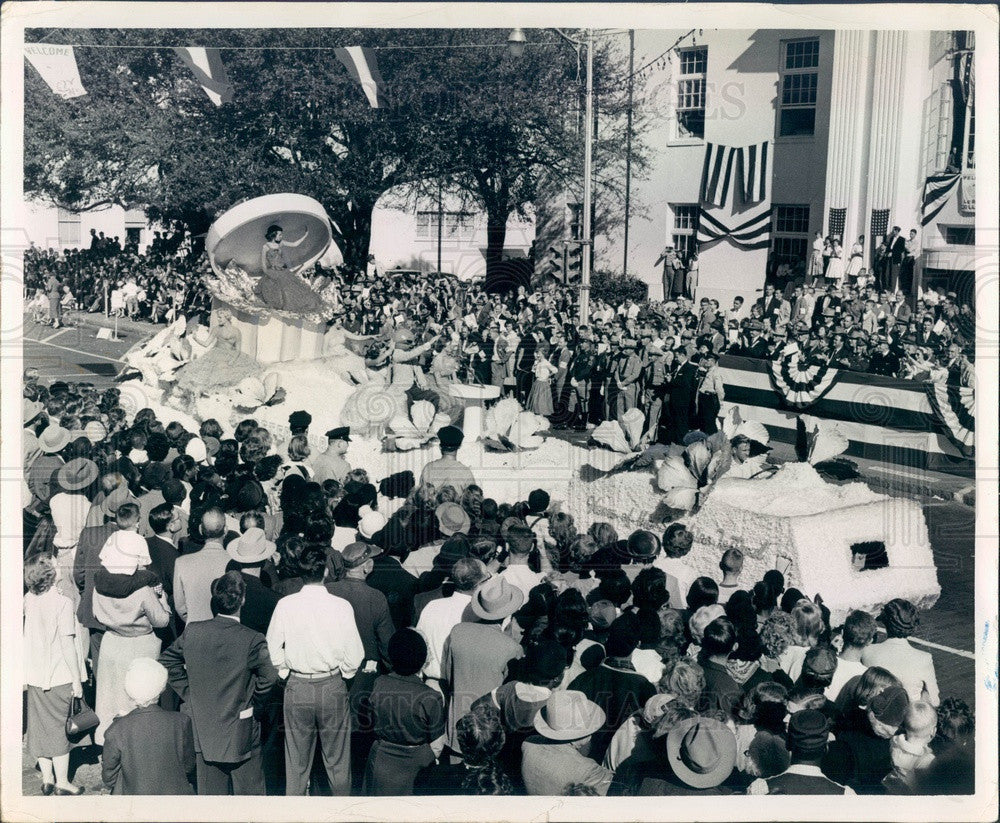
680 401
194 573
628 370
524 361
248 554
808 731
579 380
87 561
149 751
557 756
222 670
895 253
756 344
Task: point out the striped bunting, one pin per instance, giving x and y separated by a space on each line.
206 66
361 64
755 173
937 190
717 174
955 406
801 382
754 233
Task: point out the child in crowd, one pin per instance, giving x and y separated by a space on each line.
911 748
731 566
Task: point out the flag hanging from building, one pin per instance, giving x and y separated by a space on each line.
755 172
57 67
937 190
955 407
206 65
361 64
717 174
754 233
837 221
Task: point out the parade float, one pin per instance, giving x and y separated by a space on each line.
269 352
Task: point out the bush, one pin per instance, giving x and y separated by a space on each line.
615 289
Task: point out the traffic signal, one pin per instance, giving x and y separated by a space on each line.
573 262
551 263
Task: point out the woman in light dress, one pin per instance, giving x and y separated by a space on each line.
222 365
540 398
835 268
857 261
816 259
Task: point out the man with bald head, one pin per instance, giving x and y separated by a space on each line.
194 573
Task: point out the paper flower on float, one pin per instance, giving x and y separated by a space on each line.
415 430
253 392
623 435
509 428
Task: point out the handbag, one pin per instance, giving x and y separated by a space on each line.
81 718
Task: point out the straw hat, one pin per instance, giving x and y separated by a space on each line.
496 599
569 715
77 474
702 751
251 547
54 439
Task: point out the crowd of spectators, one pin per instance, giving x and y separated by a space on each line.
431 638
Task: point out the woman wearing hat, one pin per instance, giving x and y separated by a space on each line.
914 668
407 717
54 673
130 602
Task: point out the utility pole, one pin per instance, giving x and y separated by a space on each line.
628 148
588 156
440 222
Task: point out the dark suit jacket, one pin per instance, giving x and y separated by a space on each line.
162 554
897 249
259 603
85 566
222 670
149 751
398 586
371 614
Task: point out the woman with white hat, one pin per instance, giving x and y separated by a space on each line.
130 602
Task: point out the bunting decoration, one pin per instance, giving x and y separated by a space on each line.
206 66
361 64
955 407
744 169
937 190
800 381
754 233
717 174
57 67
755 172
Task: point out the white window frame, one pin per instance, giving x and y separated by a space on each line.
684 231
459 226
805 77
692 91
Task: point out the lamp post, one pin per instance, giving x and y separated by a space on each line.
516 43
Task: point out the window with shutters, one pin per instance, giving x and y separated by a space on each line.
684 235
799 81
691 92
69 228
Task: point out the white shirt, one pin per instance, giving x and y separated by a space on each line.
681 571
422 560
649 664
437 620
846 669
69 515
312 632
522 577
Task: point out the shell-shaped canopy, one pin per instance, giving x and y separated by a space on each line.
674 474
238 234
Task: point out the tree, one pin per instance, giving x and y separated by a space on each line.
146 134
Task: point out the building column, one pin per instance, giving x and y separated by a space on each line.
848 146
886 123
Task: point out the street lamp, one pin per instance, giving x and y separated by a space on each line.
516 43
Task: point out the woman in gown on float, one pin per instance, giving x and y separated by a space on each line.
223 365
280 287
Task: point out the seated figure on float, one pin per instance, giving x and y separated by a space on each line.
280 287
221 364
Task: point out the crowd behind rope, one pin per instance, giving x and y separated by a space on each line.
228 602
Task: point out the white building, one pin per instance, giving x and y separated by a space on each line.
404 235
856 121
